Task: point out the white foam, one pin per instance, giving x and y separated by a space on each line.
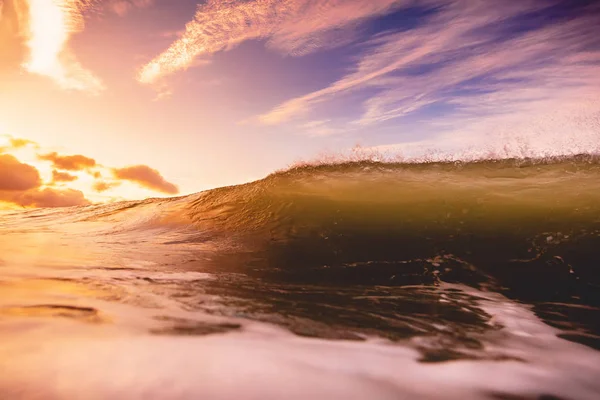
263 362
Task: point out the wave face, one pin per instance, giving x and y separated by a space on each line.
493 262
362 222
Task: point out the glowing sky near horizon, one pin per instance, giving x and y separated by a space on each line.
179 96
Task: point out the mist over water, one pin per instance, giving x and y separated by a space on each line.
362 279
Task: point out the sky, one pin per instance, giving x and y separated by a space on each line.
105 100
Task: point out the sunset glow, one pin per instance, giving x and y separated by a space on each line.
299 199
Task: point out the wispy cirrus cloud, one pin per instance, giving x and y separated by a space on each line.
459 39
322 128
49 25
524 74
462 56
295 27
485 68
46 27
122 7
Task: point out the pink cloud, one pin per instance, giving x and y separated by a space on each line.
146 177
294 27
122 7
539 87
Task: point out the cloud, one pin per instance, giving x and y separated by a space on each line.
16 176
69 163
17 143
146 177
122 7
455 29
521 75
11 20
62 177
472 59
320 128
295 27
48 26
482 71
49 197
20 184
102 186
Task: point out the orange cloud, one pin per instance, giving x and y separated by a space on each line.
50 198
63 177
17 143
16 176
146 177
101 186
69 163
20 185
13 50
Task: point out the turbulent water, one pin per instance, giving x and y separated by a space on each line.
356 280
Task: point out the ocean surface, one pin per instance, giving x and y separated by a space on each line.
359 280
